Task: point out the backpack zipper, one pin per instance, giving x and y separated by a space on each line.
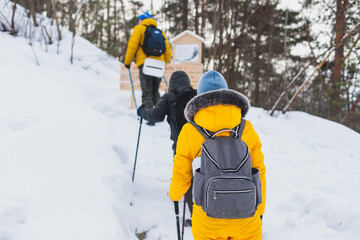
216 179
230 192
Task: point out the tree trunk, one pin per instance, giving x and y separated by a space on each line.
108 27
220 46
268 62
32 12
212 50
13 20
196 16
56 19
72 28
257 71
203 16
184 14
72 11
114 41
101 44
256 67
127 34
229 61
340 28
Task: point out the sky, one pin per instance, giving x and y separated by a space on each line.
67 149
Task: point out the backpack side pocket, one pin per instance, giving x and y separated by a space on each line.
256 180
198 188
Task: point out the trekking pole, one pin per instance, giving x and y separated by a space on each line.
132 87
165 81
183 220
137 148
176 203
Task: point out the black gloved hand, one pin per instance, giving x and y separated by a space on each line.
127 66
140 110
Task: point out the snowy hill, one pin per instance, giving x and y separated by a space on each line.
67 146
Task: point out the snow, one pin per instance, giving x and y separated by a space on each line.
67 146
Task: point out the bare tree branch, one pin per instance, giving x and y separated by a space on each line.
13 32
331 48
47 34
74 16
319 65
3 24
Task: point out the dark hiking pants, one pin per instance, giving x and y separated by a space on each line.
150 89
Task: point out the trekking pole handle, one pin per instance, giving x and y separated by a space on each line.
176 203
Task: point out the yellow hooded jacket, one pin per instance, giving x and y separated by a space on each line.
216 110
136 41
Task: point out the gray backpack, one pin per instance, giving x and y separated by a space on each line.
226 185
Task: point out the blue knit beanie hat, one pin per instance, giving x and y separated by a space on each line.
211 80
144 15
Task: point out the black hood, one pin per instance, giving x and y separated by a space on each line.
178 81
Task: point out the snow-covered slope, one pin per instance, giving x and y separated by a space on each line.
67 147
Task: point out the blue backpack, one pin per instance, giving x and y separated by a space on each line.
154 42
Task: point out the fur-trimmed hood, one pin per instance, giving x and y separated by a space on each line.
216 97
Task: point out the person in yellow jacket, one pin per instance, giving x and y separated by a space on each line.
149 84
215 108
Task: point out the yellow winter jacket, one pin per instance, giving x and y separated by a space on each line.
136 41
216 110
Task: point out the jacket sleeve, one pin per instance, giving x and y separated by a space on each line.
158 113
167 55
257 159
133 45
188 148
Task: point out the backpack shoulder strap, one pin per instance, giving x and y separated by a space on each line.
206 134
240 128
146 29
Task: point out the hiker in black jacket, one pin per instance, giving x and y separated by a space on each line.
172 105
